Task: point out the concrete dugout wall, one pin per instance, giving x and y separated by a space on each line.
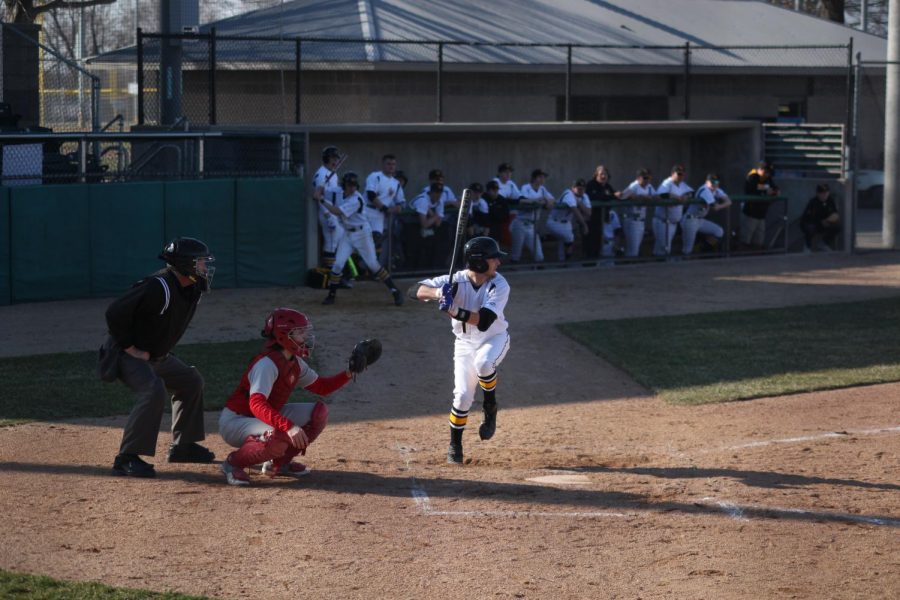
77 241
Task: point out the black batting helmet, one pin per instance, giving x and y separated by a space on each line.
192 258
478 250
328 153
349 178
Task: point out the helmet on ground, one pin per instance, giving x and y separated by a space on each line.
330 152
192 258
478 250
350 178
291 330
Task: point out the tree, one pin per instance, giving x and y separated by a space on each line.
29 11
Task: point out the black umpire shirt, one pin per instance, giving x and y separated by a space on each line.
817 211
153 317
752 187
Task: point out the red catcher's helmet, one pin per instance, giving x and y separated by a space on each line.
291 330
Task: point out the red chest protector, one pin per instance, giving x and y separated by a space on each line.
288 376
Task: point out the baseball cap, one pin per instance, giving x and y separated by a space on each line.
538 173
492 185
504 167
822 187
400 175
678 169
476 187
643 173
712 177
435 173
579 183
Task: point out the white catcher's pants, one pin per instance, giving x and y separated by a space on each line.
663 231
634 235
522 233
235 428
473 358
690 227
361 241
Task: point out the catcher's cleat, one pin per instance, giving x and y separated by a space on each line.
131 465
455 454
234 475
398 297
189 453
488 427
291 469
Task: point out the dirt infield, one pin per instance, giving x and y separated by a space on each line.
592 487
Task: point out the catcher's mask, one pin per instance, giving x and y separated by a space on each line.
191 258
329 153
350 178
291 330
478 250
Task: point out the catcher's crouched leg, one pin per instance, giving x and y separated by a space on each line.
255 449
285 464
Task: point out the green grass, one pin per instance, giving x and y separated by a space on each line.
60 386
714 357
34 587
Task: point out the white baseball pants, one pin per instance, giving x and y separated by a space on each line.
663 231
691 226
332 232
522 233
360 239
634 235
474 358
235 428
561 230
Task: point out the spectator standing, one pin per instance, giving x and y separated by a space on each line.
753 214
599 190
821 219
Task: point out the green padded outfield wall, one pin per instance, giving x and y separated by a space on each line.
205 210
126 223
5 245
81 240
50 234
270 221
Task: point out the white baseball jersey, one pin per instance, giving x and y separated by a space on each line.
358 234
562 210
510 191
386 190
422 203
636 190
328 180
709 197
447 196
532 199
492 295
671 213
353 209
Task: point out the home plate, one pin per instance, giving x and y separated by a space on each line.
561 479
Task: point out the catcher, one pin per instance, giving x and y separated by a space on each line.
259 421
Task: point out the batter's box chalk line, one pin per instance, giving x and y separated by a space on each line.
808 438
746 511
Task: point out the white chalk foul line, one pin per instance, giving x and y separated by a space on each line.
812 438
420 496
740 512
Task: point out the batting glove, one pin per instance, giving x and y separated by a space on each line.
446 297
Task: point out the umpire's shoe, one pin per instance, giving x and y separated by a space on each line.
191 452
455 454
131 465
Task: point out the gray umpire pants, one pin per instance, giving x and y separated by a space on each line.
152 382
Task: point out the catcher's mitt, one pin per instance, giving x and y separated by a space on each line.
364 354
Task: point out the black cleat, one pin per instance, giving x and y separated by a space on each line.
191 452
131 465
329 299
455 454
345 284
488 426
398 297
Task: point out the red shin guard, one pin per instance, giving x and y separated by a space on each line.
258 449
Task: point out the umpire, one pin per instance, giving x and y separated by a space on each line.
144 325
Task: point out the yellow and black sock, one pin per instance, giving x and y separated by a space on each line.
458 418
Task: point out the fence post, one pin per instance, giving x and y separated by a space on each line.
201 157
848 121
568 112
297 56
212 76
440 87
854 151
687 81
140 76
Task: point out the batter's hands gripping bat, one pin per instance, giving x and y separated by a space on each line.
461 221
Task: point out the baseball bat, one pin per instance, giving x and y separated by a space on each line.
336 167
461 222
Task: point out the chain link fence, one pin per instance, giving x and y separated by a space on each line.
868 152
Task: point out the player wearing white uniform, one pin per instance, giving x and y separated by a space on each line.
349 207
475 298
325 187
532 197
430 211
635 216
384 199
479 212
559 223
520 231
695 221
667 218
448 198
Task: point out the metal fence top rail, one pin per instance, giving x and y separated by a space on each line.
334 40
114 137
